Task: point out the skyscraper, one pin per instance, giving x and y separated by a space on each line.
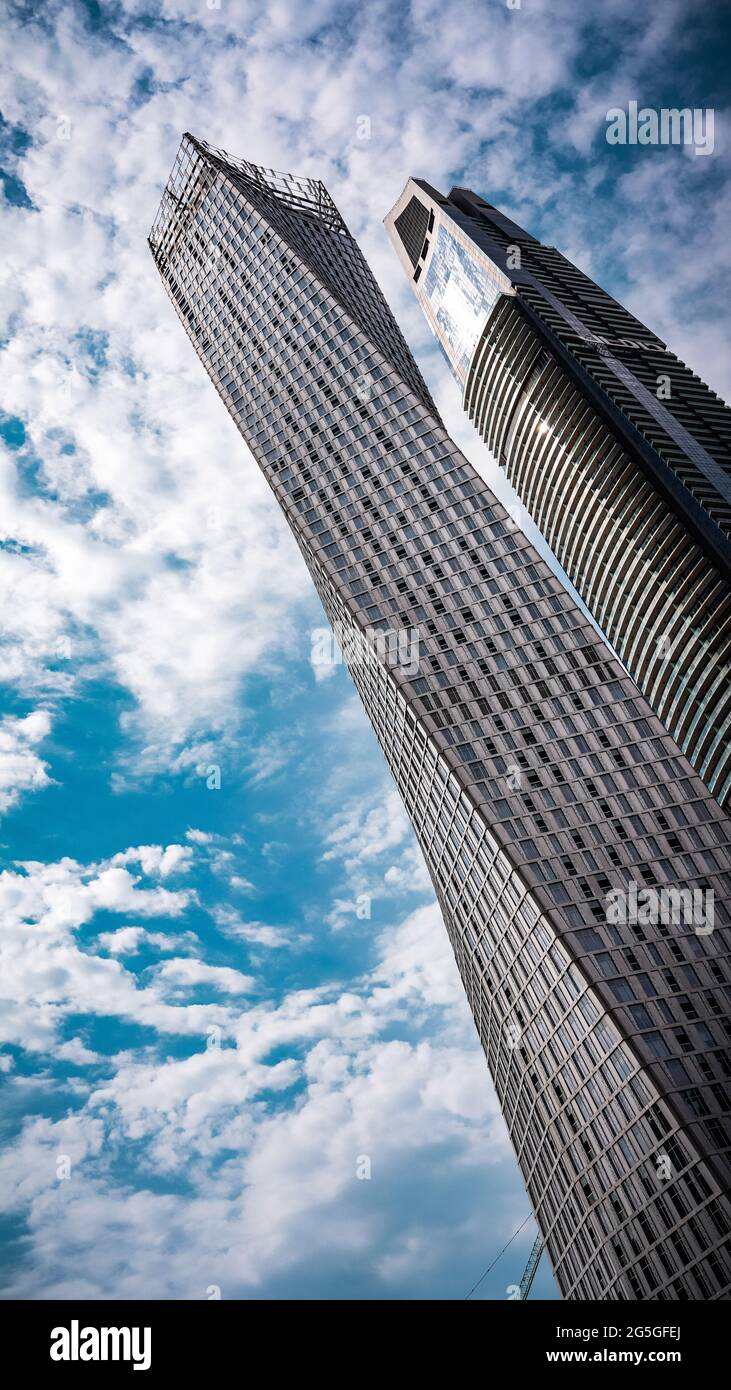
581 866
620 454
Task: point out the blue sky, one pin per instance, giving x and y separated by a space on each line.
200 1028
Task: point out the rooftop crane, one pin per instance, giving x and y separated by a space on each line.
529 1273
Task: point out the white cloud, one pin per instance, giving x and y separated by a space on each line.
363 831
178 977
21 769
47 975
128 941
115 889
156 860
229 922
75 1052
241 885
372 838
199 837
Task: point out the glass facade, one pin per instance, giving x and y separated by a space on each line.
620 454
536 776
461 293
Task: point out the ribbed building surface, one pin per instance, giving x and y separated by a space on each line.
620 454
536 776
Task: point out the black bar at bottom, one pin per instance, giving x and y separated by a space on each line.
92 1339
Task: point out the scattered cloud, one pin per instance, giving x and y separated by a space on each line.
129 941
21 769
178 977
268 1189
232 925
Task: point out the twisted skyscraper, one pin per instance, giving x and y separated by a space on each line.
581 864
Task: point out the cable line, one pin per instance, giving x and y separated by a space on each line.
497 1257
